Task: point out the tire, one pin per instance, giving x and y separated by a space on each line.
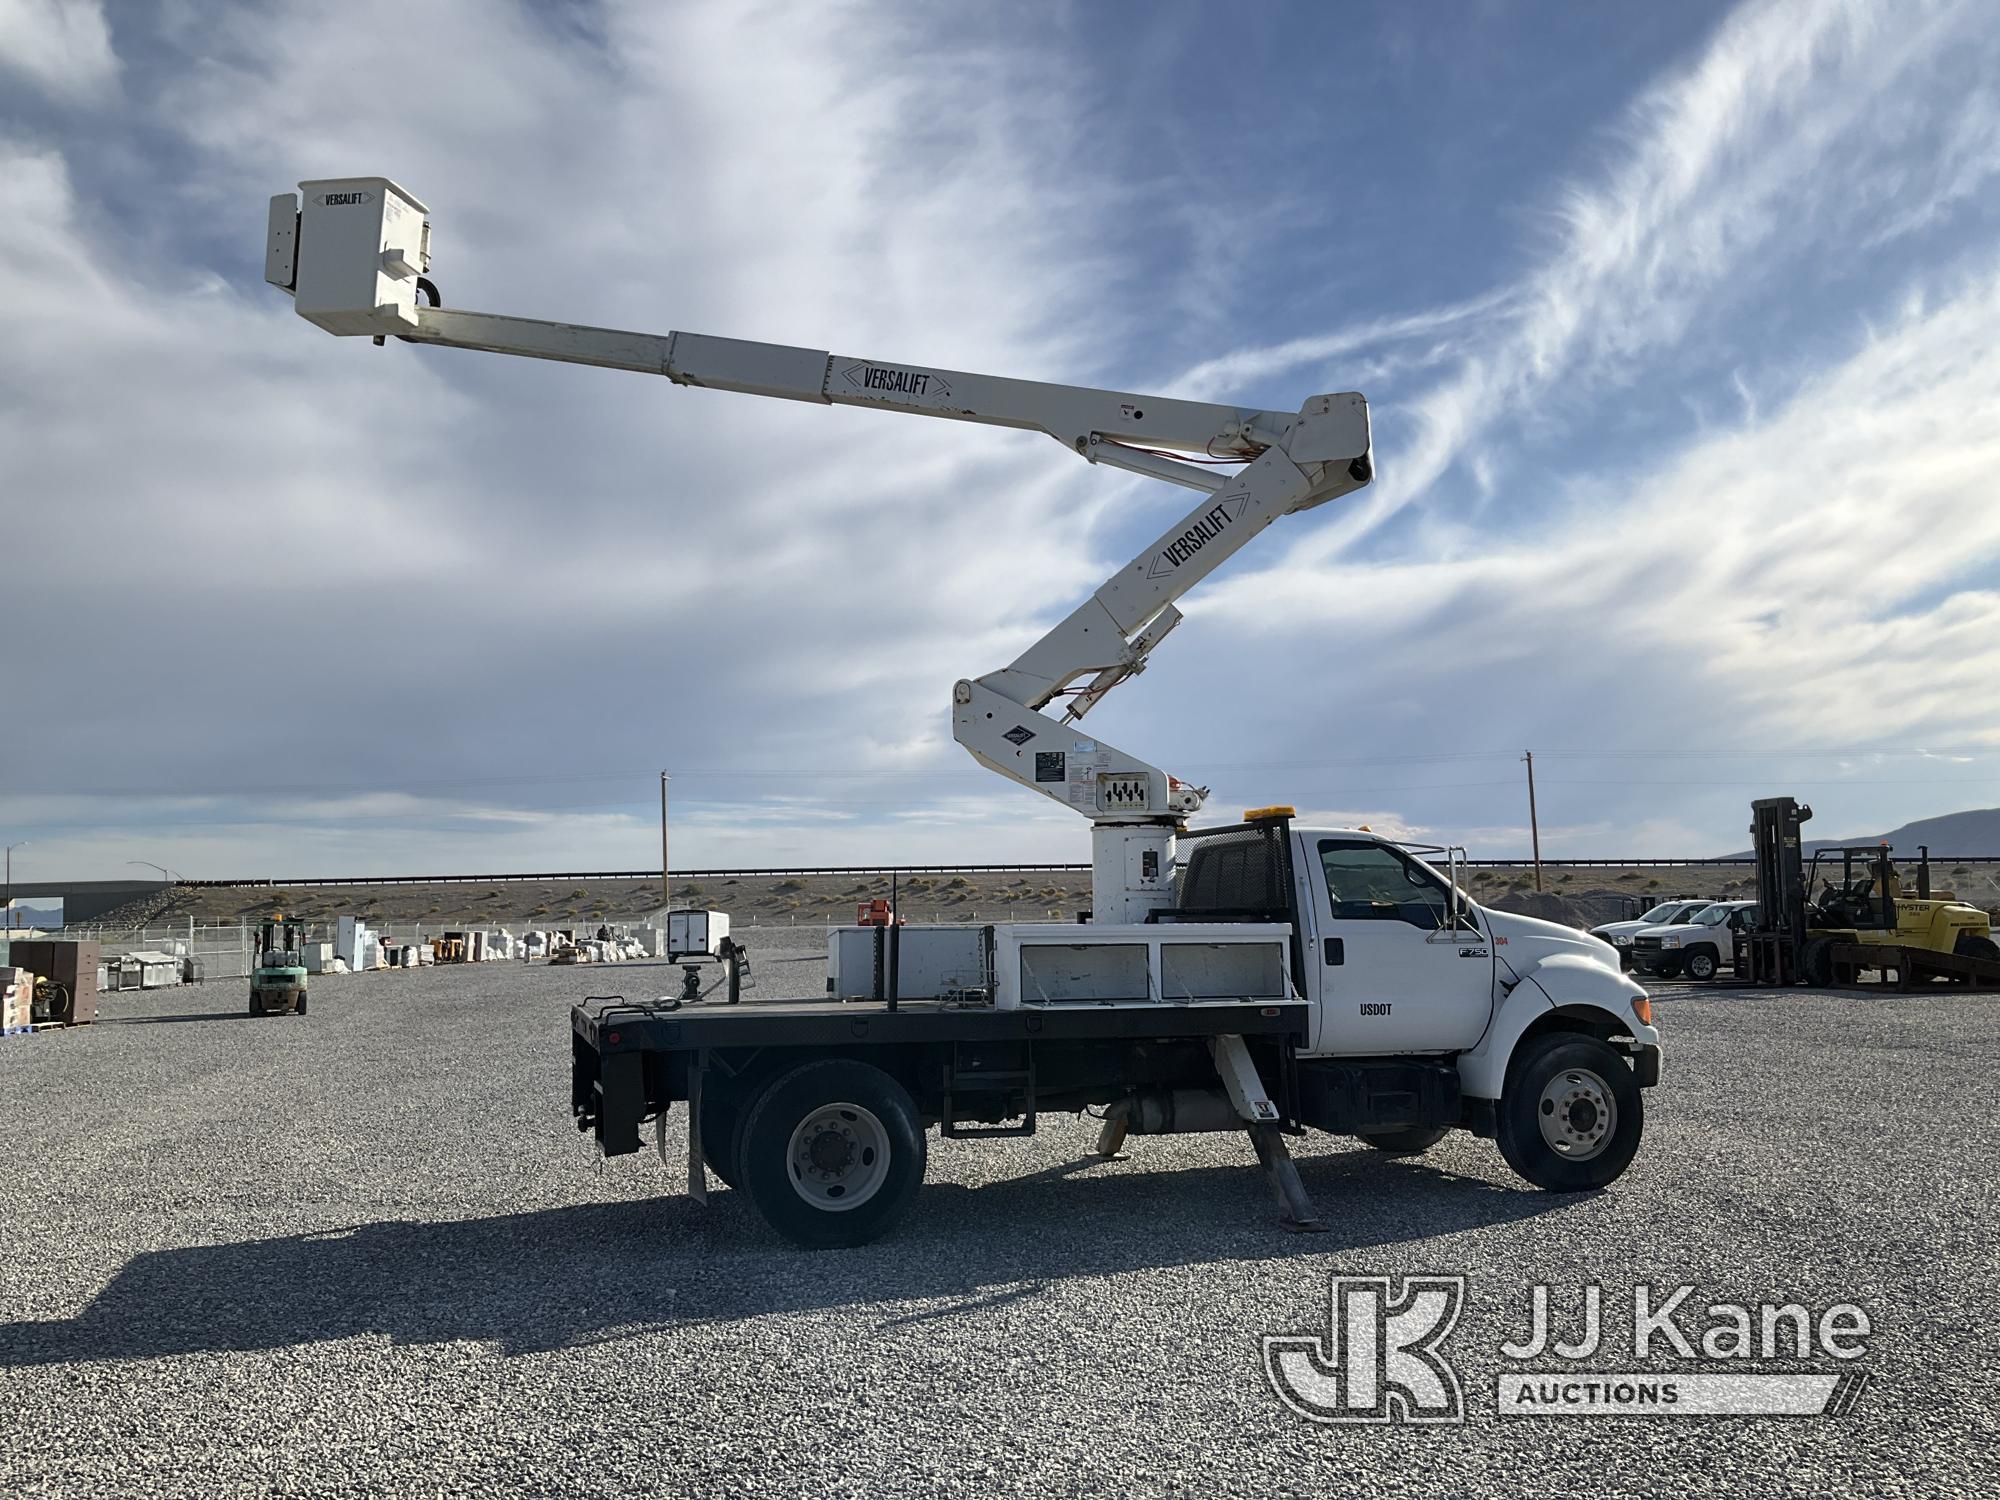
302 1005
826 1132
1576 1077
1972 945
1702 964
1816 962
1666 968
722 1118
1406 1142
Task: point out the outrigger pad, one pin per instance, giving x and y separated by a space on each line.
1295 1208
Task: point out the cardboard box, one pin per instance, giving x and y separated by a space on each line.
17 998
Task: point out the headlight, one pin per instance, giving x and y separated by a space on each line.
1670 942
1623 940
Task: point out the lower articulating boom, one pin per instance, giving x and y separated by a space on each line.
354 256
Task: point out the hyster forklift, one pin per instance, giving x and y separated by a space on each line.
278 984
1862 921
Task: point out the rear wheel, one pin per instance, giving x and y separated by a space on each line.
1571 1117
1406 1142
832 1153
1972 945
1816 962
1701 964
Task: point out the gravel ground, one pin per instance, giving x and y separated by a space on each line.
363 1253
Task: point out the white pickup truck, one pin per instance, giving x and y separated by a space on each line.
1620 934
1385 1006
1698 945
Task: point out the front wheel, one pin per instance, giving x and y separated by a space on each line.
1701 964
833 1153
1406 1142
1571 1117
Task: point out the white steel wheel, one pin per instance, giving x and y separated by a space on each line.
1578 1114
839 1157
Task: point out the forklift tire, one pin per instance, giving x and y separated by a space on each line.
1571 1117
1972 945
1701 964
1816 962
1406 1142
722 1120
302 1005
833 1153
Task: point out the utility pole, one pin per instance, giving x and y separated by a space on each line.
1534 823
665 897
7 911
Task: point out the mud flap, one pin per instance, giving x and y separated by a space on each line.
697 1166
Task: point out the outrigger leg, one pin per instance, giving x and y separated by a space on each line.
1295 1207
1253 1104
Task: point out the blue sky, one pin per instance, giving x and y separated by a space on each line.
1680 327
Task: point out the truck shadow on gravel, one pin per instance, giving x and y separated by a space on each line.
603 1272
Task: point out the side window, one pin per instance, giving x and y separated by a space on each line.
1368 882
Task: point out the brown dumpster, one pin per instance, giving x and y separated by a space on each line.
73 965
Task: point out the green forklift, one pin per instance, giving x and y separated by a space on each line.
278 983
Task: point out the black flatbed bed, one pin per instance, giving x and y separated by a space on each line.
610 1026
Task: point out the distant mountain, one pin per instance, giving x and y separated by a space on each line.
1950 836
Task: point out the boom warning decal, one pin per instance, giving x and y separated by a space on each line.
920 385
1209 525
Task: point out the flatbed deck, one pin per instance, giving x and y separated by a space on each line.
612 1025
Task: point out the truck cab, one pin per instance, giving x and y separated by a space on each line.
1394 959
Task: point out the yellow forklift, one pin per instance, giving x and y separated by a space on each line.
1814 929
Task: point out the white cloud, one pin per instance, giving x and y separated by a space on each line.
61 45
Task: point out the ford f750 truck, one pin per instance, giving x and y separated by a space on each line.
1306 979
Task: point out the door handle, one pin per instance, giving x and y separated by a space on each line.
1336 950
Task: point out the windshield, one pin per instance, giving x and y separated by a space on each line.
1666 911
1714 915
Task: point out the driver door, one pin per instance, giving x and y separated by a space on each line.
1391 973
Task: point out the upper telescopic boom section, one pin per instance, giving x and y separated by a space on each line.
355 253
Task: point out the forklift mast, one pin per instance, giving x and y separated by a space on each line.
1768 953
1782 891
